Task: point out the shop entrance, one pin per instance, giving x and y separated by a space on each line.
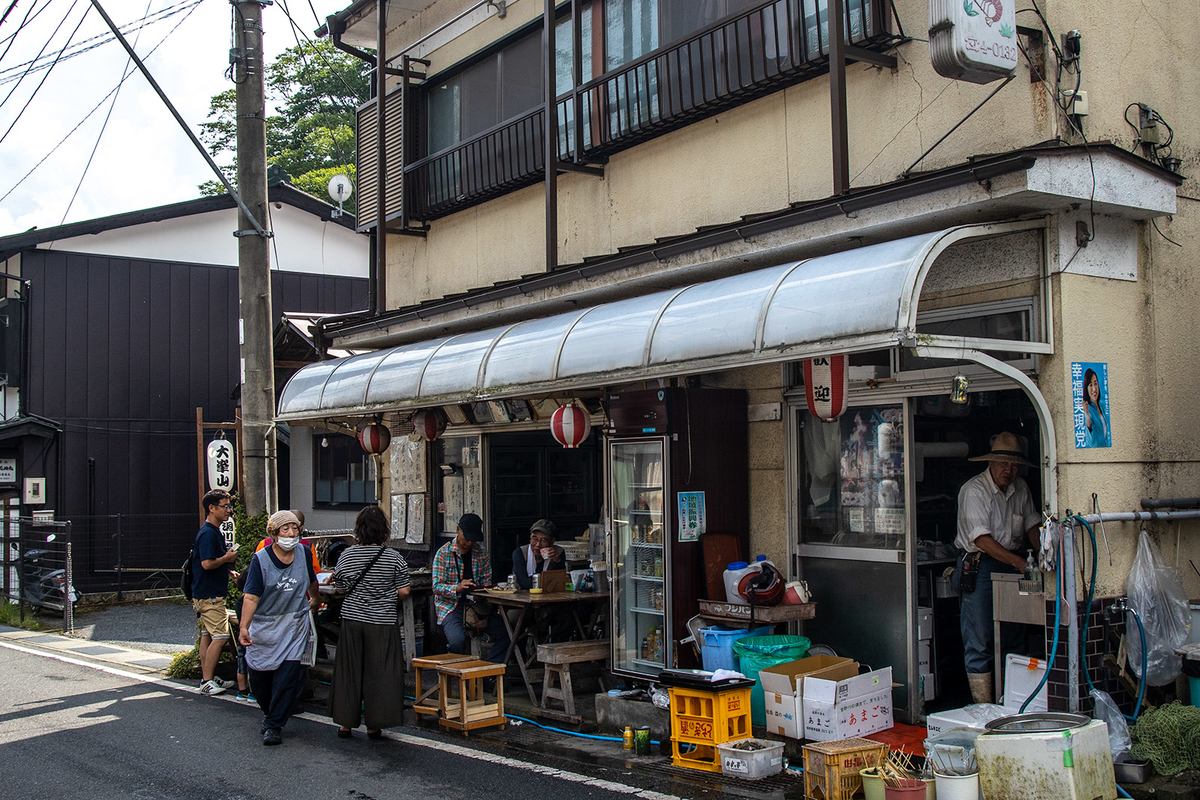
877 508
532 477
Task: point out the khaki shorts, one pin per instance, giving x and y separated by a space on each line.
214 617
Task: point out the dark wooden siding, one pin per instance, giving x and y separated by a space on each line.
122 351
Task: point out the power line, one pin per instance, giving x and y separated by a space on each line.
42 82
91 43
30 16
88 116
44 46
297 31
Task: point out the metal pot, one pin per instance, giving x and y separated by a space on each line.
1044 722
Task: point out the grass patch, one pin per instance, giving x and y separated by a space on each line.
186 665
10 615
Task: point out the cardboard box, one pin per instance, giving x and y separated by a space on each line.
924 623
847 708
783 692
975 719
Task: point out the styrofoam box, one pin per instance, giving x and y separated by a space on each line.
975 719
847 708
924 623
1022 674
783 692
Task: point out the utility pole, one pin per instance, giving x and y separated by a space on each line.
258 488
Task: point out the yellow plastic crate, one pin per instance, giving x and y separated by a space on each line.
831 768
702 719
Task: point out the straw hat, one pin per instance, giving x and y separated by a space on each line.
1006 447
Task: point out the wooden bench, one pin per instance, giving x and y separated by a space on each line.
470 709
424 702
558 659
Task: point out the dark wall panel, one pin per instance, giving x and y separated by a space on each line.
122 352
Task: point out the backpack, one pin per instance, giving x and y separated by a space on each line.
185 582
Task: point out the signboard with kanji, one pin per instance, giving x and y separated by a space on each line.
692 520
220 465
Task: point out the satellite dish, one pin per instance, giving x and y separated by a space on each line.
340 188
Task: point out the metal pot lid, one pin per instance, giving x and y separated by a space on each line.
1045 722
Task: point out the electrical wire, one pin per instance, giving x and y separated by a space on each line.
13 5
42 82
1154 222
30 16
297 31
44 46
87 116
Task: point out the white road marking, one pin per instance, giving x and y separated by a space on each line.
417 741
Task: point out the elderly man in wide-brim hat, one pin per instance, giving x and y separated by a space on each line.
997 522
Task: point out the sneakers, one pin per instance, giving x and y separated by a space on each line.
247 695
271 737
224 684
211 688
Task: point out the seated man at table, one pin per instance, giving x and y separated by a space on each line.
540 555
460 567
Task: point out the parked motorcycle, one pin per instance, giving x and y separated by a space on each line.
42 585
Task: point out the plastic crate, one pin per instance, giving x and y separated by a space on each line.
701 719
751 764
716 645
831 768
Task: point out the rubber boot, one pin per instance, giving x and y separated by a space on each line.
981 686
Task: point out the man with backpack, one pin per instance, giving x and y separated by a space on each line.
211 561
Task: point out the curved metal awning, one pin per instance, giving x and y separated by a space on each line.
860 299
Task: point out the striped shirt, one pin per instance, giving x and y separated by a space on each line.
374 599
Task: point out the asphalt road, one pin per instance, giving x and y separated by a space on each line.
71 731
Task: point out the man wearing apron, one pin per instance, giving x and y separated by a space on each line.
281 589
995 514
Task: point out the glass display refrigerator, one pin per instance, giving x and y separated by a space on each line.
676 470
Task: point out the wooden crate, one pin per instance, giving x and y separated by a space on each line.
831 768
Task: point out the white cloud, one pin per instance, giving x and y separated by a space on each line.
143 159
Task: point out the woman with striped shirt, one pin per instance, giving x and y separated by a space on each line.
368 674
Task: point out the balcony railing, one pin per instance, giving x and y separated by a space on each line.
774 45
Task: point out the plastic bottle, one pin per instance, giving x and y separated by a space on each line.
733 576
1031 569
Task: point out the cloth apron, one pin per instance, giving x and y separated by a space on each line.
279 628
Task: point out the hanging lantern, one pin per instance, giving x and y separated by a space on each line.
374 437
429 424
570 425
958 390
826 386
220 464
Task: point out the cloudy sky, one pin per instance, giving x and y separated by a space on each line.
143 158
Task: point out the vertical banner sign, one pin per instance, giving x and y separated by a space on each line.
1089 404
826 386
220 465
692 520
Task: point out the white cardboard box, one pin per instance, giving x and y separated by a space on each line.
783 692
974 717
847 708
924 623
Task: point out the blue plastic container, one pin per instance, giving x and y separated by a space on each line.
716 645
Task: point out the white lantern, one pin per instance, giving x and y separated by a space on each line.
221 471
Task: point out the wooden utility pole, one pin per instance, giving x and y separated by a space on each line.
258 485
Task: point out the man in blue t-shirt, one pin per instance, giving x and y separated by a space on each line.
210 583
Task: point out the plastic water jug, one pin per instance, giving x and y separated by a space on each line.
733 576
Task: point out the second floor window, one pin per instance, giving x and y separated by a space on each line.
343 475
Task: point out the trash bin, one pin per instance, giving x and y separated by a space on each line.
759 652
716 646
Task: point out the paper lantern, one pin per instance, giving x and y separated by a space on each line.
221 465
826 386
374 437
570 425
429 424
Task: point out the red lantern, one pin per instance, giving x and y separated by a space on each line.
429 424
826 386
570 425
374 437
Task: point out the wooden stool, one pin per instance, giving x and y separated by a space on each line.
558 659
424 702
470 709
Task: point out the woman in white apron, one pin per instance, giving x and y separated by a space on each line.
281 590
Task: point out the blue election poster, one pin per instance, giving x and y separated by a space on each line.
1089 396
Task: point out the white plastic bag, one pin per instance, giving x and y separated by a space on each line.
1157 595
1118 729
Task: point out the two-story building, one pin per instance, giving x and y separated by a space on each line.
725 202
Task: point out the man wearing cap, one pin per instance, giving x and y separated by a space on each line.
540 555
459 567
995 515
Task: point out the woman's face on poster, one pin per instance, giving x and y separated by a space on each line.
1093 389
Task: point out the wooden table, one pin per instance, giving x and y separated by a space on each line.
524 601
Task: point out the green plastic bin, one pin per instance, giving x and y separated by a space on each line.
759 652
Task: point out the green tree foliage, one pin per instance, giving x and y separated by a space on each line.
315 89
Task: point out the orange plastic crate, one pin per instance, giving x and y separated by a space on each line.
702 719
831 768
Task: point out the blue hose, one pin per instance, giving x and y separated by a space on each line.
1053 647
1121 792
561 730
1088 612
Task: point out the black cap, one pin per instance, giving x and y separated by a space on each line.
472 527
545 526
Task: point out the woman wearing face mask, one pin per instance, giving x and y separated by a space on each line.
281 590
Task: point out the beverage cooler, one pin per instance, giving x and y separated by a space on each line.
676 469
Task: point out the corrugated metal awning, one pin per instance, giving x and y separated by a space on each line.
856 300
